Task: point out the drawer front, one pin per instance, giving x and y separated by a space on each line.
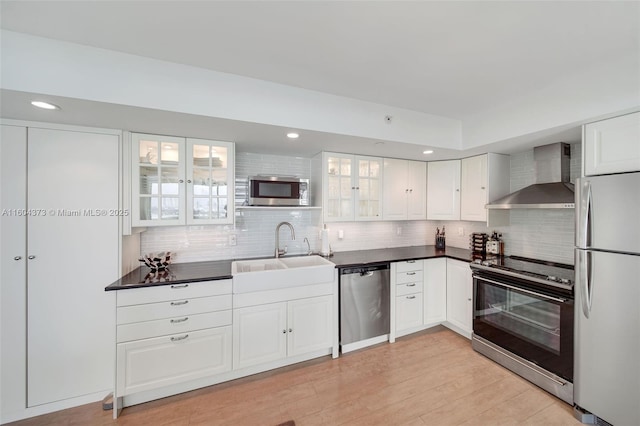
408 288
409 276
137 296
171 309
163 361
163 327
409 265
408 311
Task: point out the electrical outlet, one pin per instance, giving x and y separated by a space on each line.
460 231
233 239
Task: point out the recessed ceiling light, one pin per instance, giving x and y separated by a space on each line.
44 105
293 135
428 151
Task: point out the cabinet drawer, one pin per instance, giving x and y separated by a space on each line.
162 327
408 277
409 265
174 308
137 296
408 311
408 288
162 361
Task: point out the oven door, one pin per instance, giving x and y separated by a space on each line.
534 325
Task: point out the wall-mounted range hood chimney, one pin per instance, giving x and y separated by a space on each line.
552 189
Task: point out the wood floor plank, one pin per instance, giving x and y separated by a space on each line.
428 378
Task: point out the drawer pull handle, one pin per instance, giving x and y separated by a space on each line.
176 321
180 286
411 297
411 273
177 339
411 261
184 302
411 285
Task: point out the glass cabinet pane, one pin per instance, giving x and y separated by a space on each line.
170 153
170 181
149 208
170 208
148 151
201 208
149 180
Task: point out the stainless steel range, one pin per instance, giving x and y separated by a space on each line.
523 319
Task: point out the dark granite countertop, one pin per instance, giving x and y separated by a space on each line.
397 254
221 269
177 273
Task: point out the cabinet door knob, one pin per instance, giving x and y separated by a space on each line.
482 187
181 180
17 258
457 190
284 331
31 257
290 330
188 180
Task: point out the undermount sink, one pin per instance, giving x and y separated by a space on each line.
272 274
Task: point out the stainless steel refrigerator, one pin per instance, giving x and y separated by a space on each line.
607 306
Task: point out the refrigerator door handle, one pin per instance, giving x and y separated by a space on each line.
583 279
583 213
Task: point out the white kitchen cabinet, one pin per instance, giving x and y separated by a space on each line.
58 255
483 178
351 187
178 181
172 334
404 190
612 146
460 296
407 284
435 291
274 331
443 190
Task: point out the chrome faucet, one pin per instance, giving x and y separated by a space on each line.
293 237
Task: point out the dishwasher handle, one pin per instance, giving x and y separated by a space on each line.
367 270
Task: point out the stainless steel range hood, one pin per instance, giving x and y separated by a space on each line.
552 189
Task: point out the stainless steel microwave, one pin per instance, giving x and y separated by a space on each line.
277 191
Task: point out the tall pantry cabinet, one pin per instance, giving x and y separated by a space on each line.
59 249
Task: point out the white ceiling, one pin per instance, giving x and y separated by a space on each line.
453 59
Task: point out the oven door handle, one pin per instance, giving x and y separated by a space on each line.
544 296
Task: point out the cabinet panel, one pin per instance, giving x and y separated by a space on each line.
417 199
443 190
368 183
459 295
395 190
435 290
13 273
408 311
162 361
473 184
260 334
70 317
612 146
310 324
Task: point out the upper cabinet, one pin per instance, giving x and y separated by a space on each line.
443 190
178 181
405 190
351 187
612 146
483 178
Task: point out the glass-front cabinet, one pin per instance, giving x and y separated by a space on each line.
178 181
352 187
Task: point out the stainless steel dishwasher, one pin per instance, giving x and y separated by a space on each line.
364 306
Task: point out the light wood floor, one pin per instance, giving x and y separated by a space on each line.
429 378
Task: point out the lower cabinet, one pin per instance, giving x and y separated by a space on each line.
435 291
167 335
408 311
274 331
460 296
